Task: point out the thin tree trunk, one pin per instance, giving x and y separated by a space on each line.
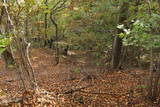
150 85
26 27
57 40
45 24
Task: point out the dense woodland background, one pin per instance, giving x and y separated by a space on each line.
80 53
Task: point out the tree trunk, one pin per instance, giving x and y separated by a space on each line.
117 43
46 24
57 40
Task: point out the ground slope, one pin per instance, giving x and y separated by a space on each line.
78 82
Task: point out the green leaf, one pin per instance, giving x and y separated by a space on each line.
121 35
4 42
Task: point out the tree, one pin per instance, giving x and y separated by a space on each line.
117 43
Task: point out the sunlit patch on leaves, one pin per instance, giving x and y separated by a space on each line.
120 26
121 35
1 93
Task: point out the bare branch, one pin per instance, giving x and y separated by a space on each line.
61 4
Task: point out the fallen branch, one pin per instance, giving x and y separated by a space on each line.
7 101
103 93
75 90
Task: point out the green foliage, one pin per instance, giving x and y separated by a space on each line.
142 35
143 29
90 24
2 50
4 42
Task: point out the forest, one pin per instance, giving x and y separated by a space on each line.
79 53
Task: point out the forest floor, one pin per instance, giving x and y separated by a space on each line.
77 82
